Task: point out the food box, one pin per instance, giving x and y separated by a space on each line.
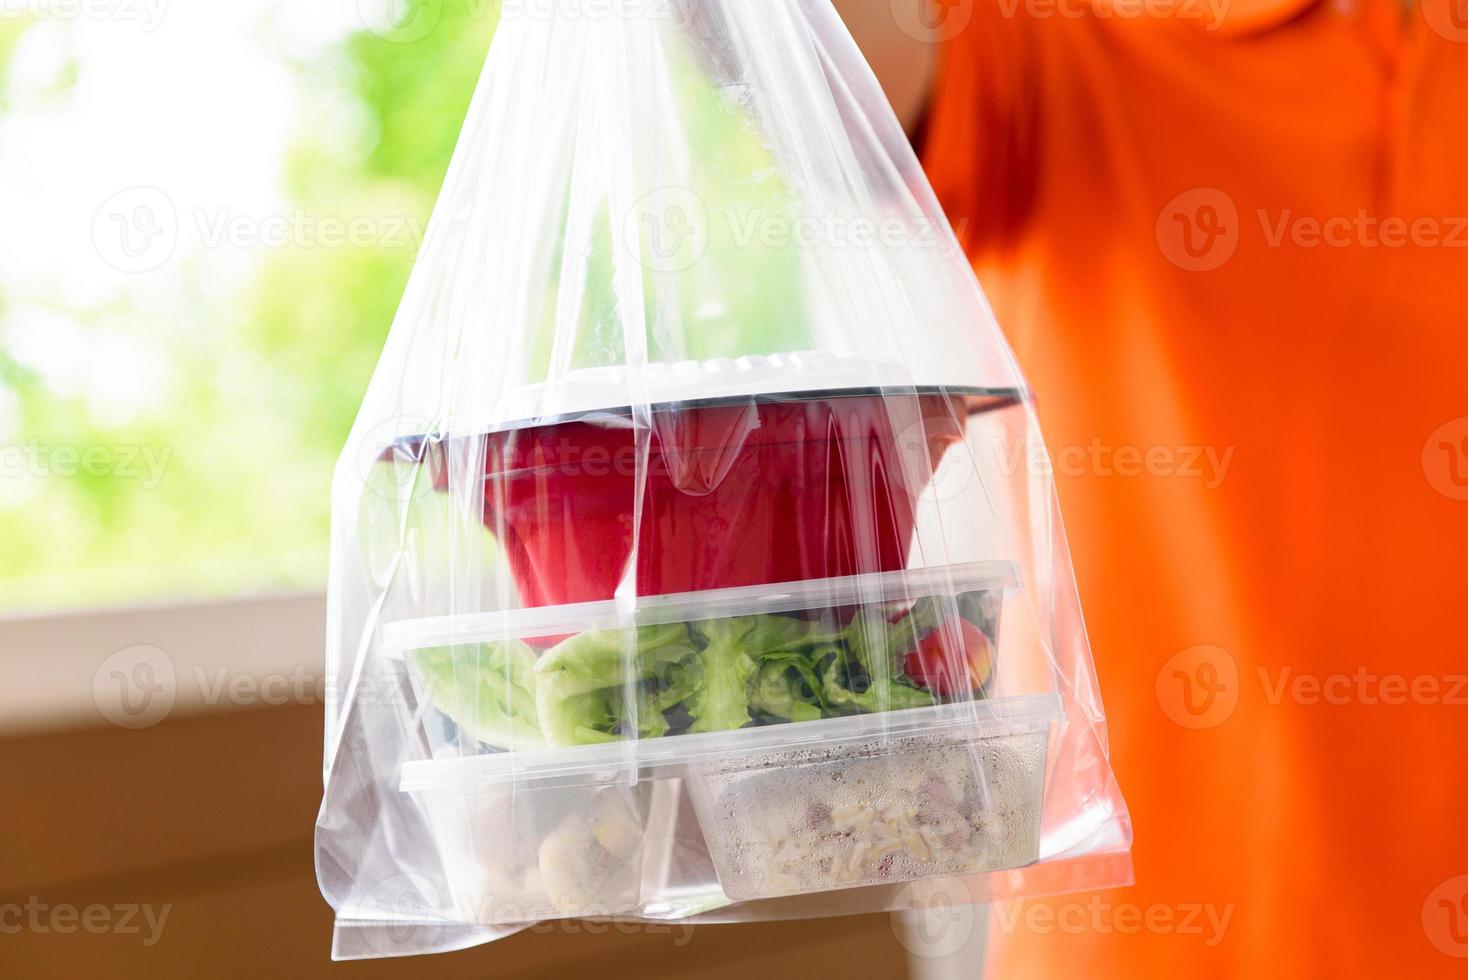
708 491
880 808
830 734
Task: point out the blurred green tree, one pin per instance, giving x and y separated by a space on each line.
265 384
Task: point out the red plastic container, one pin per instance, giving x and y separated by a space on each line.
739 492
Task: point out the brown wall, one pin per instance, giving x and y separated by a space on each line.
212 814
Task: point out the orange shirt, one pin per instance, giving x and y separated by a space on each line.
1232 255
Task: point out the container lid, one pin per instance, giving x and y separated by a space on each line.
801 375
780 597
613 762
607 388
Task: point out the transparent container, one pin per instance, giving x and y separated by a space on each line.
831 733
516 852
935 793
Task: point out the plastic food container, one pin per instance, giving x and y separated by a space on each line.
516 853
941 792
783 810
697 662
736 489
810 764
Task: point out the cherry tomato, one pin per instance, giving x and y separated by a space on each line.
945 671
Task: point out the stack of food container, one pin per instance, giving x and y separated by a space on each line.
716 598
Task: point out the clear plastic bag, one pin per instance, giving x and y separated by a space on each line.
694 555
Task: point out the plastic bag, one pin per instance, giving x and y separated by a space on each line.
694 555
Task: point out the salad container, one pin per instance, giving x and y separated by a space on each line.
695 551
830 733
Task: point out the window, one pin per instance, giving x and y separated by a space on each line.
188 316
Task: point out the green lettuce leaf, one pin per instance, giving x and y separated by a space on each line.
488 690
582 683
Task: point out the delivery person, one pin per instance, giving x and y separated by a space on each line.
1229 242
